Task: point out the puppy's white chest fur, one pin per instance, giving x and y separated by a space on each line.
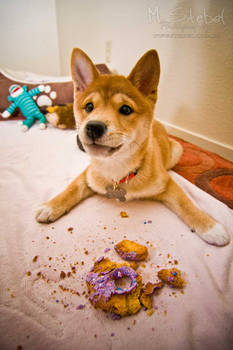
140 186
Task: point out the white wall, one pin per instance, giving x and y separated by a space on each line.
196 90
28 36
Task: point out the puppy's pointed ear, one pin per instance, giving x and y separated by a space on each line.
83 70
145 75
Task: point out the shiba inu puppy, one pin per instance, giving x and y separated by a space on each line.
130 151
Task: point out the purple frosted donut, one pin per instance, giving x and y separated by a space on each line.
104 283
124 271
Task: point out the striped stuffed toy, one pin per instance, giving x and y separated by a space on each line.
22 99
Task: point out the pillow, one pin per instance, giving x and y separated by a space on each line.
61 89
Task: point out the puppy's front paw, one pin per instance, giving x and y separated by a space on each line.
47 214
216 236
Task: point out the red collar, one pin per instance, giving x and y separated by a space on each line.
127 177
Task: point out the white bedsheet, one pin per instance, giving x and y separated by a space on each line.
38 315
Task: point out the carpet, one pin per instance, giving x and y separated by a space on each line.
207 170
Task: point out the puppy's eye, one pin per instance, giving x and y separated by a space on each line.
89 107
125 110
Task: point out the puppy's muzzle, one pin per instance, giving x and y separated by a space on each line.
95 129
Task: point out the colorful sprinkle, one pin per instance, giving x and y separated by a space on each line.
114 316
80 307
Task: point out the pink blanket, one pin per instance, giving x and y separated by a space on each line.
40 309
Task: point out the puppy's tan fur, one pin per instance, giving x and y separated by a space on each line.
136 141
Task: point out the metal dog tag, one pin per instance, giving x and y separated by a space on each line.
117 193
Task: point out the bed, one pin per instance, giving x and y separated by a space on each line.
40 309
44 302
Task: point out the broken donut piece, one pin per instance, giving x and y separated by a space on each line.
147 292
131 251
172 277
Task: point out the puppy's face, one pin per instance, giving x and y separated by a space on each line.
113 114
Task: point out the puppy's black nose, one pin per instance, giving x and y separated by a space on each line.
95 129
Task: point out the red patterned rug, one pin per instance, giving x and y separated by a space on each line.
207 170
